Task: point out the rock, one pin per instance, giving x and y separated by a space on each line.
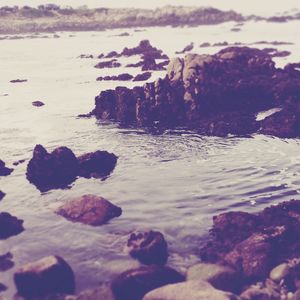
192 290
4 171
2 288
111 54
49 275
2 195
89 209
16 163
60 168
6 262
204 45
108 64
121 77
280 272
235 29
103 292
219 276
9 225
134 284
85 55
18 80
188 48
150 248
38 103
57 169
296 295
96 164
142 77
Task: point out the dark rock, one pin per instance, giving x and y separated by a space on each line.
108 64
96 164
86 56
52 170
111 54
49 275
187 48
142 77
18 80
123 34
9 225
101 56
89 209
61 167
38 103
204 45
150 248
6 262
2 287
134 284
2 195
4 171
16 163
121 77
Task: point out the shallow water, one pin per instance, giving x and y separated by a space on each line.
173 182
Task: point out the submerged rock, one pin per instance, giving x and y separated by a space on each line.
150 248
121 77
217 94
6 262
191 290
18 80
2 287
89 209
4 171
49 275
134 284
2 195
9 225
60 168
108 64
142 77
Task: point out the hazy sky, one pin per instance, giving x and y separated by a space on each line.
244 6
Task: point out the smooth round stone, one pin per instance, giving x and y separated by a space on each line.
280 272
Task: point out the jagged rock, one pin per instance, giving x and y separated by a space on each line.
60 168
121 77
4 171
20 161
134 284
108 64
217 94
142 77
49 275
188 48
89 209
192 290
9 225
150 248
38 103
6 262
2 195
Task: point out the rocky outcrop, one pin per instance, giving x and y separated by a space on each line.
47 276
89 209
60 168
4 171
9 225
150 247
134 284
217 94
2 195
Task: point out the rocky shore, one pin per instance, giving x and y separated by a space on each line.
217 95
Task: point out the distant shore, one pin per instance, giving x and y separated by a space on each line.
52 18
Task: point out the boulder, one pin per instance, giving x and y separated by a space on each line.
57 169
108 64
49 275
219 276
89 209
2 195
38 103
143 76
150 247
4 171
135 283
9 225
6 262
192 290
2 288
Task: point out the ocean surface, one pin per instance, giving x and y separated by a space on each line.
173 182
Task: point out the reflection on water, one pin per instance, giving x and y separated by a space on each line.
174 182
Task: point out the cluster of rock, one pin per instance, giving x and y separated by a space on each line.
217 94
61 167
4 171
126 77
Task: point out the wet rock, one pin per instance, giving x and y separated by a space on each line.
18 80
9 225
111 54
108 64
150 248
121 77
49 275
261 293
86 56
280 272
38 103
6 262
57 169
20 161
219 276
187 48
192 290
2 288
2 195
4 171
142 77
102 292
89 209
134 284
